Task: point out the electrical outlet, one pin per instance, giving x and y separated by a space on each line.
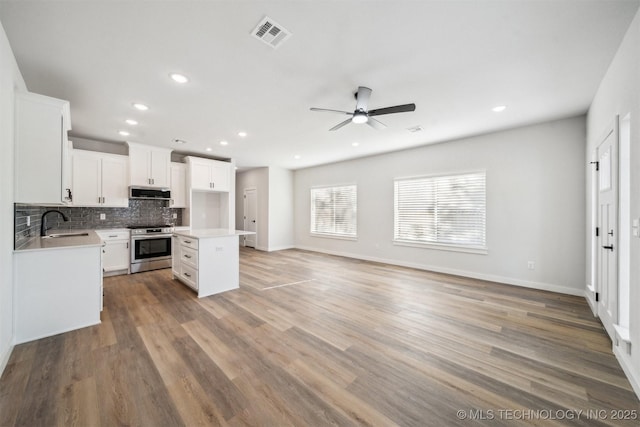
28 220
531 265
103 217
174 216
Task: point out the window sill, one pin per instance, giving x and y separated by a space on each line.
334 236
451 248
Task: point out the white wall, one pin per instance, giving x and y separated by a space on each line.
619 94
280 209
258 179
535 205
10 80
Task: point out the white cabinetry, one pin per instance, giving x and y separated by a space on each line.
99 179
209 264
149 166
57 290
41 150
178 185
115 252
208 175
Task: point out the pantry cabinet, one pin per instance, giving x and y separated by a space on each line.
42 150
99 179
149 166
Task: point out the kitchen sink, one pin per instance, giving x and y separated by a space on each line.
58 235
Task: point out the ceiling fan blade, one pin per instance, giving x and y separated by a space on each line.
339 125
330 111
376 124
390 110
362 98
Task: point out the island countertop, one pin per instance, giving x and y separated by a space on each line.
208 233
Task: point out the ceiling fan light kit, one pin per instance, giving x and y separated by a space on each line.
362 114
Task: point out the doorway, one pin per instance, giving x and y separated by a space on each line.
607 236
250 216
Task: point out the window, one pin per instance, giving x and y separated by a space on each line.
333 211
443 210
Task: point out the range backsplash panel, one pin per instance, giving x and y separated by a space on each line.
139 212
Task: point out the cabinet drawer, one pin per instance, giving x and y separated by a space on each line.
189 242
113 235
189 275
189 256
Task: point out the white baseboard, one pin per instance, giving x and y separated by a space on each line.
632 375
4 359
280 248
471 274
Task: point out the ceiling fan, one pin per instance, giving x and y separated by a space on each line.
362 114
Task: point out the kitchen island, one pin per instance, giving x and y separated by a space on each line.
207 260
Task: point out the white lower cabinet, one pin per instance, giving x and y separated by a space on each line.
115 252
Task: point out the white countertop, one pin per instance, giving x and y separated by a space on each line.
206 233
48 243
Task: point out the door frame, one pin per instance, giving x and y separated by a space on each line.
244 213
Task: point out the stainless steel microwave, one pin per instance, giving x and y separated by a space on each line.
149 193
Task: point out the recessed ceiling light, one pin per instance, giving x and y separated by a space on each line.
140 107
131 122
297 157
179 78
499 108
224 143
124 133
208 149
355 144
242 134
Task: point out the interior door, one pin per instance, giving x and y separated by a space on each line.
607 262
250 216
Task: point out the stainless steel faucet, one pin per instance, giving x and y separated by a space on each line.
43 221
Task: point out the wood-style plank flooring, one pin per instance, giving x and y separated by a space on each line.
314 340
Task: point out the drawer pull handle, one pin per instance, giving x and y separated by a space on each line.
187 274
188 241
188 256
113 235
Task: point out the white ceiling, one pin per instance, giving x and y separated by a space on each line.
454 59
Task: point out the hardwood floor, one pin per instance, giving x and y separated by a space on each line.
313 340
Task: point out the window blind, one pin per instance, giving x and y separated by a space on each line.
448 210
334 211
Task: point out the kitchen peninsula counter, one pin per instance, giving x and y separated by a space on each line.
207 260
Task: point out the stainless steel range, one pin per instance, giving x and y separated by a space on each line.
150 247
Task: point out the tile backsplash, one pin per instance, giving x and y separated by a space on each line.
139 212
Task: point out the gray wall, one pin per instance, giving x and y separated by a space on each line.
535 205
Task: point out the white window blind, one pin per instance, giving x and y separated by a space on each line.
334 211
447 210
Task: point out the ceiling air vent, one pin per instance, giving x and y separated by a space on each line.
270 32
415 129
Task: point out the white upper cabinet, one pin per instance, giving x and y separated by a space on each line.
41 150
99 179
208 175
178 185
149 166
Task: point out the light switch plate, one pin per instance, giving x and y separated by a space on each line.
103 216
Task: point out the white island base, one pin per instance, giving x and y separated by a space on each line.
207 260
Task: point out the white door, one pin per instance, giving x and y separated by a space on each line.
250 216
607 261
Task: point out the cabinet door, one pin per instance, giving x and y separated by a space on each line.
220 174
115 191
85 176
176 256
40 137
115 255
139 165
178 185
200 176
159 163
